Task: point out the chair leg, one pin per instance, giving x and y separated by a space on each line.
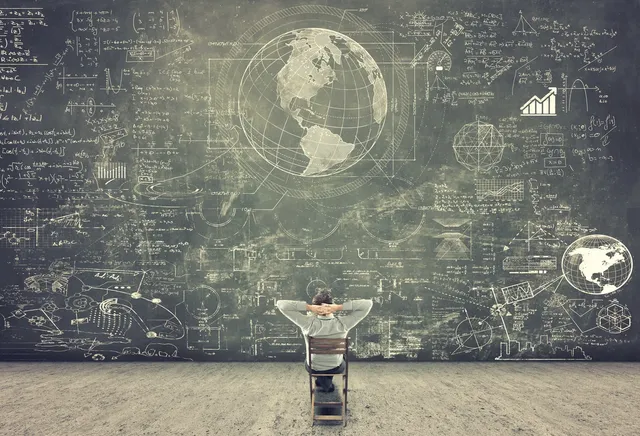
346 389
311 395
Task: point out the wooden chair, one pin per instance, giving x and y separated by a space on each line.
329 346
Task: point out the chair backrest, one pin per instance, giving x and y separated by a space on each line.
328 346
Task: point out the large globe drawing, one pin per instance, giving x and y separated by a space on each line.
597 264
312 102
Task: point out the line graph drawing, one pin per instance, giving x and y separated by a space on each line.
109 86
518 292
504 189
584 88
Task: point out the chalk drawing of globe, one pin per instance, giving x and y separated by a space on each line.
597 264
312 102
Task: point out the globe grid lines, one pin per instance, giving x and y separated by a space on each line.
273 105
229 71
358 108
578 280
327 112
277 147
319 104
319 55
333 88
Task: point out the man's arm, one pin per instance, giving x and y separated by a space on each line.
359 308
291 309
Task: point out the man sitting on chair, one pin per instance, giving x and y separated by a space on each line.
325 325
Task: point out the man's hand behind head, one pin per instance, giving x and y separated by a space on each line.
328 308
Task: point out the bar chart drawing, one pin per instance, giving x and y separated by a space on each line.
541 107
111 170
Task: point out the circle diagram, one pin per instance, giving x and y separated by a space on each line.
439 61
597 264
312 102
473 333
478 146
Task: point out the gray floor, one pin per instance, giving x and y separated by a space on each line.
498 398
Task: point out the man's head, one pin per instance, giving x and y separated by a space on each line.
322 297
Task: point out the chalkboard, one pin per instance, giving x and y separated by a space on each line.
169 170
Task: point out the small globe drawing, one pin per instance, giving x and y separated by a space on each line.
312 102
478 146
597 264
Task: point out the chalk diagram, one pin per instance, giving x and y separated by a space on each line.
312 101
93 310
598 265
438 84
473 334
614 318
318 145
310 223
41 227
579 85
396 217
203 332
524 27
478 146
504 189
439 60
453 245
535 234
215 218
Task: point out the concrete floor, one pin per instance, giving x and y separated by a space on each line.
167 398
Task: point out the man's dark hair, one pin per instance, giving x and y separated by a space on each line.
323 296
